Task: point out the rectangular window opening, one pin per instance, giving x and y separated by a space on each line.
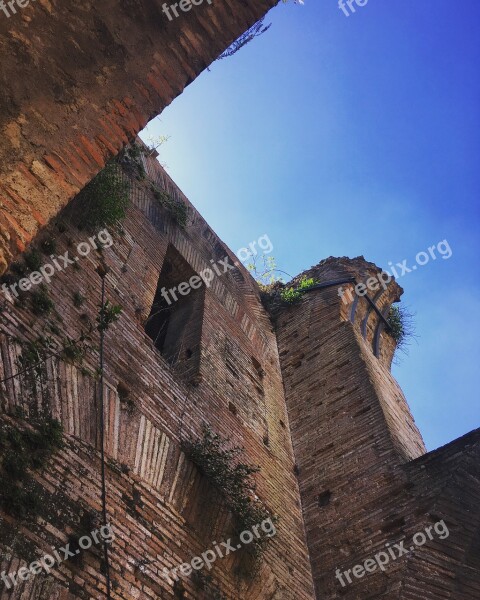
175 321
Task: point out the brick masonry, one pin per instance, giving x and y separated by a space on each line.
308 392
364 477
163 511
79 79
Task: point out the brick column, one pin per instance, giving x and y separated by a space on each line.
351 426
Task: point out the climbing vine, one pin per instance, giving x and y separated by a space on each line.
234 479
104 201
23 451
177 207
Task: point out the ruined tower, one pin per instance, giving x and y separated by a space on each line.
365 480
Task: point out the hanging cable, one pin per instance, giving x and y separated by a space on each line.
103 272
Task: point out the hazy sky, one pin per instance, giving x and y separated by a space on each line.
347 136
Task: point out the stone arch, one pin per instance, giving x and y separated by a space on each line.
82 78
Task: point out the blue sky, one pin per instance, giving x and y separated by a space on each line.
347 136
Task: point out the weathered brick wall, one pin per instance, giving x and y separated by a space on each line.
79 79
444 484
160 507
354 440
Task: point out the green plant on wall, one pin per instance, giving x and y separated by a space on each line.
33 259
74 351
402 327
104 201
264 271
292 295
234 479
108 313
177 207
154 143
78 299
272 288
36 352
49 246
131 161
23 451
41 302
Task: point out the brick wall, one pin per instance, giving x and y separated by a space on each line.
162 510
79 79
364 477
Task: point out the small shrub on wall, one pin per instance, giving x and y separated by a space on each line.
220 464
104 201
177 208
21 452
293 295
402 327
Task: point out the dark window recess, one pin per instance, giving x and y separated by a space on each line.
324 498
258 367
175 326
231 367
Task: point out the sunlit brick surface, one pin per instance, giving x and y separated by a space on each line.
79 79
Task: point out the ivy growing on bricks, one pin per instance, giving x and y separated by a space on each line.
23 451
105 199
234 479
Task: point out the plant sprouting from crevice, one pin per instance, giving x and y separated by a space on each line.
41 302
104 201
75 351
220 463
177 207
108 313
402 326
131 160
265 271
78 299
33 259
292 295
